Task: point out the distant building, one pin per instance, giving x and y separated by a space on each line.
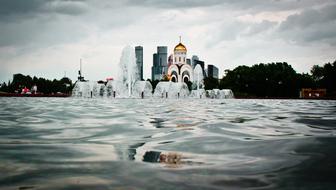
201 63
188 61
139 60
193 59
163 56
155 67
160 66
212 71
312 93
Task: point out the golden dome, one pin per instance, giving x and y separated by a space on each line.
180 47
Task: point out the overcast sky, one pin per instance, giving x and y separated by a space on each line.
47 38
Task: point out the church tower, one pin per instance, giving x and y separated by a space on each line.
180 71
180 54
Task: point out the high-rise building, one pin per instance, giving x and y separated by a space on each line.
201 63
195 61
139 60
155 67
193 58
160 66
188 61
212 71
163 57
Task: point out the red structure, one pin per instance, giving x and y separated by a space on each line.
25 90
312 93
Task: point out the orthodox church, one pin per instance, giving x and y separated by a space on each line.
179 70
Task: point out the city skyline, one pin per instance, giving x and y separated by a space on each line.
48 38
160 61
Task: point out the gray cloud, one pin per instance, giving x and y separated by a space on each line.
41 31
51 22
40 23
174 3
230 31
15 10
38 34
311 25
234 29
251 5
257 28
10 7
310 17
275 5
33 21
66 7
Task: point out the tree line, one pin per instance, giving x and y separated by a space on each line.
44 86
275 80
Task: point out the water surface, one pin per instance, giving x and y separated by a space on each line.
74 143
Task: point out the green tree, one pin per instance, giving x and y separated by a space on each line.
210 83
325 77
262 80
45 86
317 72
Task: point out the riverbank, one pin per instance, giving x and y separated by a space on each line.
60 95
283 98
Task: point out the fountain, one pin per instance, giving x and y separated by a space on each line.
128 84
200 93
142 89
165 89
129 73
219 94
84 89
199 82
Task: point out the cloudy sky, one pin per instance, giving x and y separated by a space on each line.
47 38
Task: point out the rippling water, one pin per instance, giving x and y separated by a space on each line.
55 143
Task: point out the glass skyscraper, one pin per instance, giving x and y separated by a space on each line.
139 60
160 66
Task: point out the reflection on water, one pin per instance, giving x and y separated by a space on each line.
48 143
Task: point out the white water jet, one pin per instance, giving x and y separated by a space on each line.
170 89
219 94
128 82
128 69
83 89
200 93
127 85
142 89
198 80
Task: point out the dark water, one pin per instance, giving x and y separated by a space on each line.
48 143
